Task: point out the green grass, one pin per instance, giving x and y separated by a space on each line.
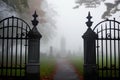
108 73
11 72
77 61
47 66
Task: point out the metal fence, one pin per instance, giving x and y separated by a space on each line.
102 50
108 49
18 45
13 44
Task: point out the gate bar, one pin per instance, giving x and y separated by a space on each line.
12 47
98 54
102 51
2 71
115 50
21 50
26 46
119 50
16 49
110 52
7 47
106 50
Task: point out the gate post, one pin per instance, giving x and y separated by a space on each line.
33 64
90 67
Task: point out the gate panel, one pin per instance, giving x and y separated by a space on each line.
108 50
13 47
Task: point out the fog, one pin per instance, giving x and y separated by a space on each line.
24 9
63 18
70 22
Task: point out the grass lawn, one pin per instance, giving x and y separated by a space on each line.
106 69
47 66
77 61
12 72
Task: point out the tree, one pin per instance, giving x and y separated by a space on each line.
111 8
25 9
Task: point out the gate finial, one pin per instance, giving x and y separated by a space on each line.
89 22
35 21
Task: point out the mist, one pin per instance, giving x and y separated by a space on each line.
25 9
71 18
58 19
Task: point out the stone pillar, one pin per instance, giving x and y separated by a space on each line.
33 64
90 67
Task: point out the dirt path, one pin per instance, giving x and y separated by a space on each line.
65 71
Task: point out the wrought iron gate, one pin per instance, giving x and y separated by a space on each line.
102 50
108 49
13 47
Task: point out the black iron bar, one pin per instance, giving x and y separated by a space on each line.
21 49
26 44
110 51
2 71
114 50
102 52
12 47
5 54
16 60
7 65
119 51
106 50
98 55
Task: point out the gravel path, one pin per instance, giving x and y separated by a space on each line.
65 71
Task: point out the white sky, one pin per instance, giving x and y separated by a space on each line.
71 22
